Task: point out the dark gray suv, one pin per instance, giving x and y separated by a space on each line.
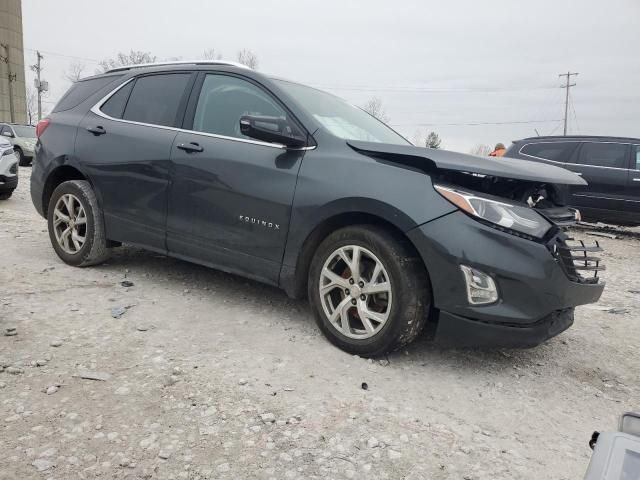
214 163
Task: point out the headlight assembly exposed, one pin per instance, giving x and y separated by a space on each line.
513 217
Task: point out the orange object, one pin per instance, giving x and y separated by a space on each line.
498 152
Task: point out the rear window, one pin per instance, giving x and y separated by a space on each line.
155 99
82 90
603 154
556 151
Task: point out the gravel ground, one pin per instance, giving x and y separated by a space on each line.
208 375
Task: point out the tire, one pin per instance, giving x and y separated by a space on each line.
22 160
400 312
6 195
93 249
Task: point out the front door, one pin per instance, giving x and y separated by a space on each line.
230 198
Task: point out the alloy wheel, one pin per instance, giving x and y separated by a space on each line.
70 223
355 291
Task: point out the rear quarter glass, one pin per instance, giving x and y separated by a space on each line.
81 90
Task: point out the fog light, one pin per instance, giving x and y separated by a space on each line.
481 289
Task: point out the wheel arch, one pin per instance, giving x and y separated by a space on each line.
294 279
58 175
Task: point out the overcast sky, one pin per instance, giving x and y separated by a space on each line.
435 65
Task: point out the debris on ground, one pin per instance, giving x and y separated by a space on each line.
98 376
10 331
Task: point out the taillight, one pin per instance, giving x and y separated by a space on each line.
42 126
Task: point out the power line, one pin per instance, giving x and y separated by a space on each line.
575 117
407 89
516 122
567 86
56 54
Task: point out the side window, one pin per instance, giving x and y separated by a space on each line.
556 151
635 159
155 99
603 154
114 107
224 99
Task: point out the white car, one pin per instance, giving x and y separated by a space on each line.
23 139
8 169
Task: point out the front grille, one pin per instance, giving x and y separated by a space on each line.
577 258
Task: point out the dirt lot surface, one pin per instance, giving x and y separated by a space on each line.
207 375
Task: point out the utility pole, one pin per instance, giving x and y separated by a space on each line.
38 68
567 86
11 77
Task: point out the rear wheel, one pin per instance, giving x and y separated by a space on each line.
369 291
76 226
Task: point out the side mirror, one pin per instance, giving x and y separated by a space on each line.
271 129
8 134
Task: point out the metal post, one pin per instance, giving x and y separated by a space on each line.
567 86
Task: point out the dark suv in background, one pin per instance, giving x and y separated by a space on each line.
610 165
217 164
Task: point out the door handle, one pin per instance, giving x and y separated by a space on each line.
636 179
191 147
98 130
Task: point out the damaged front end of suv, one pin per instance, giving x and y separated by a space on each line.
504 267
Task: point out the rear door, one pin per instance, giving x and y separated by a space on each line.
124 145
604 165
230 198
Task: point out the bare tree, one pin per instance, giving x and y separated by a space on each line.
74 72
433 140
481 149
123 59
212 54
32 104
248 58
374 107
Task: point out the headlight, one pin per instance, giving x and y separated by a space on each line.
514 217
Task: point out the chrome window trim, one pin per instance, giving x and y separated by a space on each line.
605 198
96 109
567 163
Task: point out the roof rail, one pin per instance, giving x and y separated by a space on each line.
178 62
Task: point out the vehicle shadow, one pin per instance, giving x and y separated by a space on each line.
179 275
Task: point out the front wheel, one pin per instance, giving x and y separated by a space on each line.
6 195
22 160
76 226
369 291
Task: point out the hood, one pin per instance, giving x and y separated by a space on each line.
430 159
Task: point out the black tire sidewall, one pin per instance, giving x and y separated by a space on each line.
22 160
404 289
78 258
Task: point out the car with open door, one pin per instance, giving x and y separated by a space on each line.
217 164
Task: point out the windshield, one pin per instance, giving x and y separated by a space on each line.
25 131
341 118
